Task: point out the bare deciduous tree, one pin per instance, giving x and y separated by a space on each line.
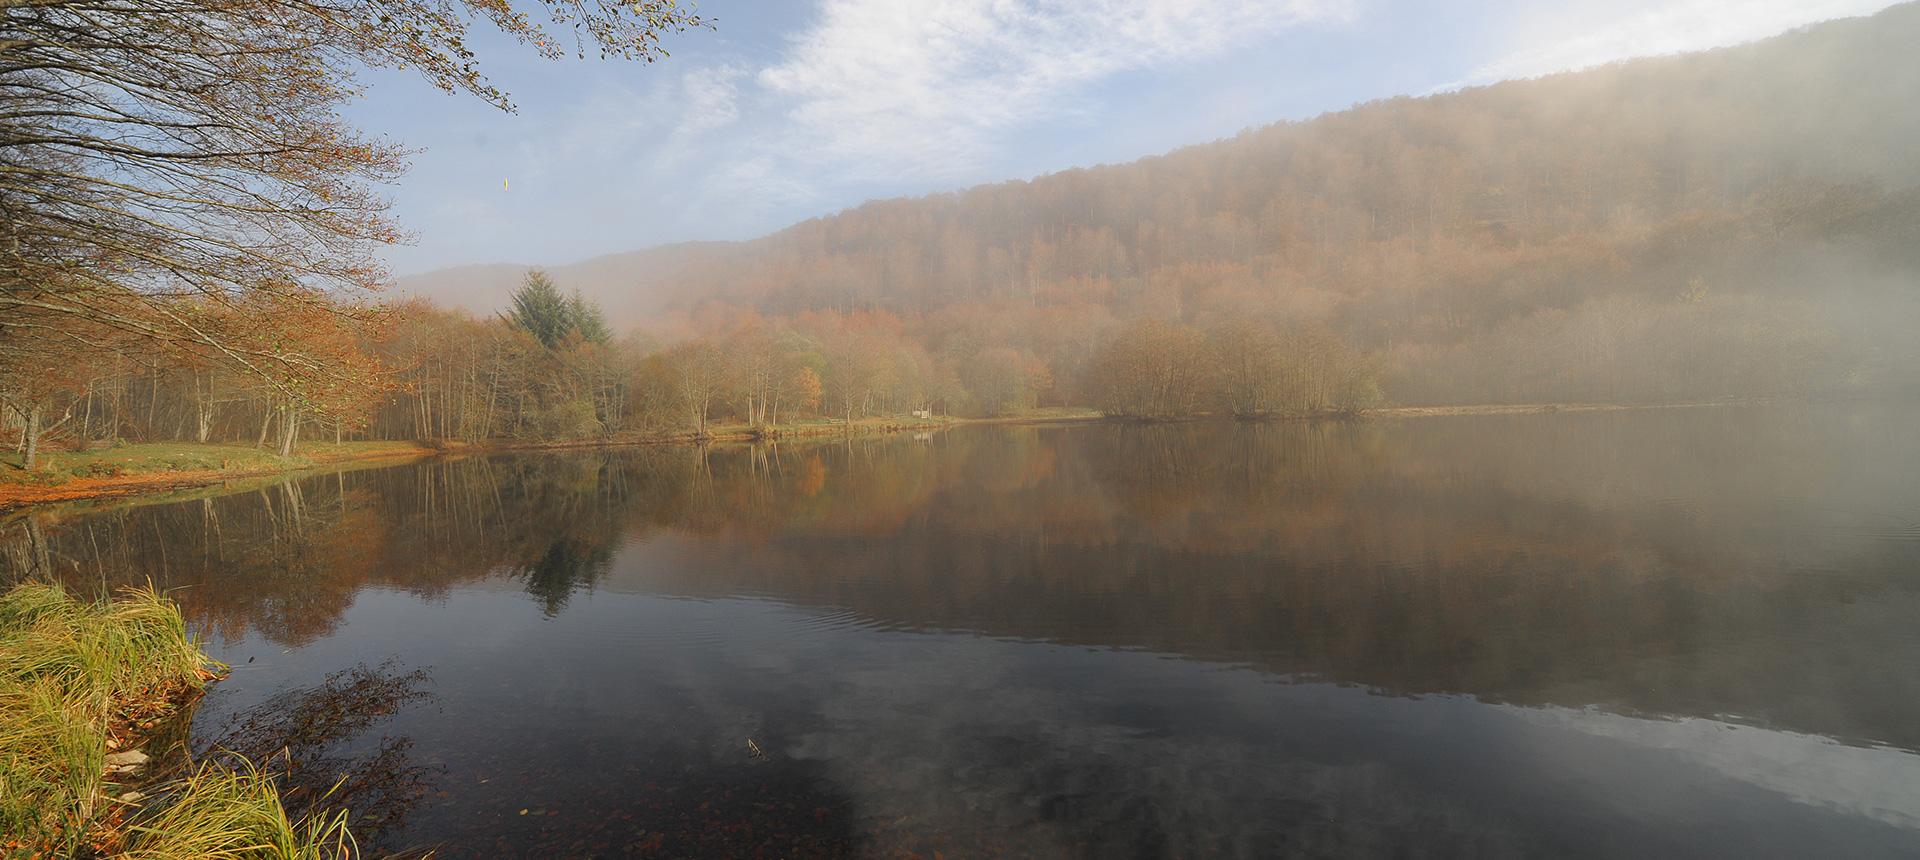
155 149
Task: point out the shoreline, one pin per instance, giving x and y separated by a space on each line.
1550 408
16 497
20 496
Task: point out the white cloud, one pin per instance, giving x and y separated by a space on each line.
636 121
885 87
1588 33
707 100
606 123
711 99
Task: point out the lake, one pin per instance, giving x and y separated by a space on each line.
1677 632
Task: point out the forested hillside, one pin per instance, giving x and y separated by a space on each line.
1738 222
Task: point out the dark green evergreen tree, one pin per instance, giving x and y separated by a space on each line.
587 319
539 308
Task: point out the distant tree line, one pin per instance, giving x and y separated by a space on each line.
1246 369
550 368
186 216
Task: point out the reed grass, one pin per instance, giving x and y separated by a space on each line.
69 669
75 673
50 766
221 813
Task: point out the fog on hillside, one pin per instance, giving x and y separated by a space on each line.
1734 224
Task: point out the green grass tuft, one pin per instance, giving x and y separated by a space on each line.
72 673
229 814
102 653
50 765
68 670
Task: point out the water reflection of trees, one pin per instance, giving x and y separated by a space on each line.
286 560
1626 560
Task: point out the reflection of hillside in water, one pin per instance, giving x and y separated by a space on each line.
1740 562
1097 752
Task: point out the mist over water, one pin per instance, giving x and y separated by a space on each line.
1666 632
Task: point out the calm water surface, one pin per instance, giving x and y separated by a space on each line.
1664 633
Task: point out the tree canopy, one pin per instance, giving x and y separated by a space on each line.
155 150
539 308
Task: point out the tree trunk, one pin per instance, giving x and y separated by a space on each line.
426 401
203 425
153 401
203 409
30 436
493 394
289 430
266 422
86 419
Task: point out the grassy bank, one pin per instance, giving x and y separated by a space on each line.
137 469
149 467
82 684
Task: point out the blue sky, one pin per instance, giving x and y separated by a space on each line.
795 108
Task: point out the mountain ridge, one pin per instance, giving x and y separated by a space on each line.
1347 214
